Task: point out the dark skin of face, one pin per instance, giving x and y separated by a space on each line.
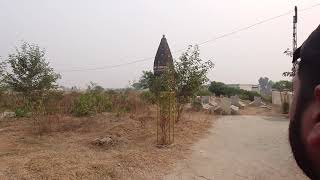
309 129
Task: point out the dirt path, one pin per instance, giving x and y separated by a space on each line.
241 147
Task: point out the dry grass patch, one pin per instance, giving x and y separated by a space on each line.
66 150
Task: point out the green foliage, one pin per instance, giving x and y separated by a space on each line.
157 84
191 74
185 78
146 81
283 85
219 88
91 103
21 111
204 91
29 71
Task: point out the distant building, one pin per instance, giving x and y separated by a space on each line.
163 57
247 87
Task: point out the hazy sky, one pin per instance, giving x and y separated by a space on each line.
81 34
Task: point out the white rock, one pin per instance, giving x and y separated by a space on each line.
8 114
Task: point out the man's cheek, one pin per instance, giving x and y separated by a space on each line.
292 108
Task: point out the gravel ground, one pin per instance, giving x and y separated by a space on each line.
241 147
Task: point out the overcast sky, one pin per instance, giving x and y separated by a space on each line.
81 34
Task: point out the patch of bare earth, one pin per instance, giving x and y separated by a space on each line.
272 110
66 151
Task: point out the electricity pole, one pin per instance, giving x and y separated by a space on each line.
295 36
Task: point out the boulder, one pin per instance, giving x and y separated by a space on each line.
225 105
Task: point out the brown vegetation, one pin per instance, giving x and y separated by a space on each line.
60 146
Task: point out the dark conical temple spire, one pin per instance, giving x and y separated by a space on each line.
163 57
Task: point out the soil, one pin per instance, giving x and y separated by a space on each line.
61 147
269 110
241 147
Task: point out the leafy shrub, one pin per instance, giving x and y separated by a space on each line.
204 91
21 112
219 88
91 103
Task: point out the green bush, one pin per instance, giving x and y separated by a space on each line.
91 103
204 91
21 112
219 88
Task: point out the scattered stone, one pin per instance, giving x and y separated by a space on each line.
266 107
205 99
257 102
207 106
235 100
234 110
8 115
213 103
105 141
217 110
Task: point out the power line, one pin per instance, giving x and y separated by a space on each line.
200 44
109 67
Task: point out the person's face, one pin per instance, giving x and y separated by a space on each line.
307 141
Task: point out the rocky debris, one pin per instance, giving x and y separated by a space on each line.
213 103
218 110
241 105
235 100
7 114
107 141
234 110
209 108
266 107
257 102
205 99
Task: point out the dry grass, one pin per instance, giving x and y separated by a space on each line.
274 111
66 150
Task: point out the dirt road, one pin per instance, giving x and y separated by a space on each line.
241 147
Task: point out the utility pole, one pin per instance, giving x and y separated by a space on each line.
295 23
